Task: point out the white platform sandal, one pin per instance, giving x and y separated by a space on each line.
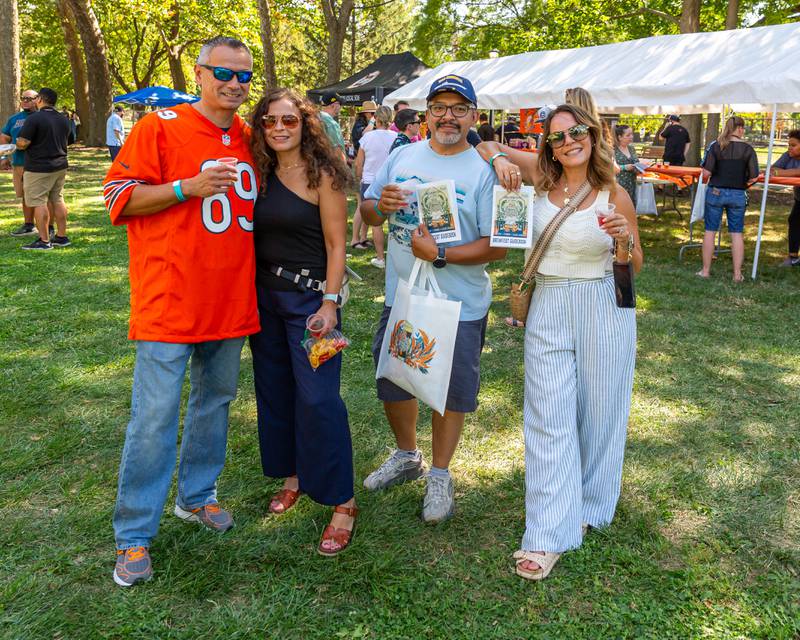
546 562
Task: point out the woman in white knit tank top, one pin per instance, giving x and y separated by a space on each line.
579 346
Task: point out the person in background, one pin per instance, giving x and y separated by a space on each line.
580 97
625 157
76 124
506 132
300 228
485 131
730 166
580 347
398 107
363 120
11 129
115 132
375 148
329 115
193 299
44 137
460 271
788 166
407 123
677 141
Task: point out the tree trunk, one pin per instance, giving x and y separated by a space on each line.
690 23
9 55
336 21
98 74
713 123
270 75
72 43
175 50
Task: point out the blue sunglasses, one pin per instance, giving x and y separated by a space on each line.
225 75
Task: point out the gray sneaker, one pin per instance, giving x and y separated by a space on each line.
211 516
439 503
133 566
395 470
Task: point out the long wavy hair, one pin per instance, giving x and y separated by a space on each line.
315 147
599 173
731 125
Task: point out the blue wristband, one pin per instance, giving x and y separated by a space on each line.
176 187
497 155
378 211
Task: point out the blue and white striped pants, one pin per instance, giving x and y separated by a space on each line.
580 350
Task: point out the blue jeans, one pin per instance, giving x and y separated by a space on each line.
148 457
734 201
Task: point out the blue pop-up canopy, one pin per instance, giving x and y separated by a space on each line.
156 97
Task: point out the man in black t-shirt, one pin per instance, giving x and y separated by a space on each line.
485 130
677 140
44 138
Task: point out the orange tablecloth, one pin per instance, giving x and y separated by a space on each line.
691 173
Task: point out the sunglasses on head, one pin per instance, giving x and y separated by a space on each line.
289 121
225 75
577 132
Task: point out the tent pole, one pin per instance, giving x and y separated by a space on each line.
766 189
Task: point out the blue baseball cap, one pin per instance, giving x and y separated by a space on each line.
456 84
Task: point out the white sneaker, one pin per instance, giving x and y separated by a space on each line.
439 503
377 262
396 469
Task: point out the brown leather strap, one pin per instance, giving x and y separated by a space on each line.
532 265
348 511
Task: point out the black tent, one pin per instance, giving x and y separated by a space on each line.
383 76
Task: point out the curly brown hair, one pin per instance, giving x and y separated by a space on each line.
599 173
315 147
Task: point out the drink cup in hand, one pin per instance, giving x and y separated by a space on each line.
229 162
315 324
602 211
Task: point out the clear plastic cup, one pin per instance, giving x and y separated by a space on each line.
315 323
602 211
229 161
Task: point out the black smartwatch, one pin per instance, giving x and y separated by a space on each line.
441 259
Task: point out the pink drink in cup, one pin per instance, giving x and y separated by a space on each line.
315 323
602 211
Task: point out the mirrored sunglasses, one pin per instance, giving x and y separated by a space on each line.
225 75
577 132
289 121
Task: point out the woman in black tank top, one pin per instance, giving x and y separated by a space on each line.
299 225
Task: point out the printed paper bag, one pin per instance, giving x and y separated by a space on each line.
420 337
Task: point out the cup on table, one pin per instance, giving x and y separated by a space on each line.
315 323
602 211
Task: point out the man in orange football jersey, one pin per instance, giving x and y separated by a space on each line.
184 186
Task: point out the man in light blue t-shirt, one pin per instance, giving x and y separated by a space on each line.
115 132
28 105
460 271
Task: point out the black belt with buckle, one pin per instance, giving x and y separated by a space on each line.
301 280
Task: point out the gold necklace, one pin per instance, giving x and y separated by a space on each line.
290 166
567 196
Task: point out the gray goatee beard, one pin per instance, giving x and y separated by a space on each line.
447 138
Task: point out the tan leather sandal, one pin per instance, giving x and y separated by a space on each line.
546 562
286 498
341 537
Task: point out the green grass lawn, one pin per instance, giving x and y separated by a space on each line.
704 544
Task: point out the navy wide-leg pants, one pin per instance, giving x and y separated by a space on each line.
302 419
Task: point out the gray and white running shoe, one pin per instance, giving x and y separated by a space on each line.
395 470
439 503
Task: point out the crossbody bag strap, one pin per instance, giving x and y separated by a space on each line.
532 265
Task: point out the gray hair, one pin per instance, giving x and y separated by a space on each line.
383 115
219 41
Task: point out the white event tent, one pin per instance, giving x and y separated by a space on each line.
746 69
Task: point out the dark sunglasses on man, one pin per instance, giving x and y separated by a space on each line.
226 75
29 98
